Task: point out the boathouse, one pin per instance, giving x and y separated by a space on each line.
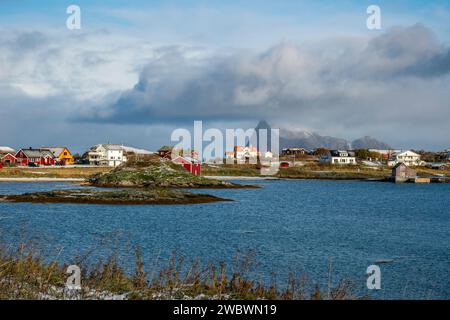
402 173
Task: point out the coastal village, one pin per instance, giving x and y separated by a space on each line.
403 163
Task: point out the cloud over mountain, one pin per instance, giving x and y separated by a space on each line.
385 84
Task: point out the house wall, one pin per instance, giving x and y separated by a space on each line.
66 157
343 160
8 160
115 157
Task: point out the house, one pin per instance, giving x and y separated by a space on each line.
229 156
267 155
284 164
62 155
111 155
448 154
245 154
8 160
37 157
385 153
294 152
165 152
409 158
339 157
402 173
437 166
190 164
7 157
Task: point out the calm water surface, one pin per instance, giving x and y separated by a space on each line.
294 226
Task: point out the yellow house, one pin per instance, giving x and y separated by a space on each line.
62 155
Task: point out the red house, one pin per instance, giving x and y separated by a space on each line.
284 164
26 157
190 164
8 160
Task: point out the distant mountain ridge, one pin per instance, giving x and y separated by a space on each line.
369 143
312 140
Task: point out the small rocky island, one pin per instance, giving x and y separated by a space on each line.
115 197
145 182
157 173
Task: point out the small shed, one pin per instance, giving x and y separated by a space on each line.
8 160
189 164
402 173
165 152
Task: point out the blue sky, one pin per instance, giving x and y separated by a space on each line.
135 67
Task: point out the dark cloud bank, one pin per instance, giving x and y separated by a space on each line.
386 86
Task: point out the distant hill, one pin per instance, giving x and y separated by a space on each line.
312 140
369 143
263 125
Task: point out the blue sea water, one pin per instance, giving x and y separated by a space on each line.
298 226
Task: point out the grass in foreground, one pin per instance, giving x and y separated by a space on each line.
23 275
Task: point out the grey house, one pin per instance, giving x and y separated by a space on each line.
402 173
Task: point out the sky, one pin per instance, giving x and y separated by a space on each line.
137 70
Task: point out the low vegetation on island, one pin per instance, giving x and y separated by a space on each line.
155 172
116 197
139 182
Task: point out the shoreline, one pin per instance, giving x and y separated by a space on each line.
42 179
242 177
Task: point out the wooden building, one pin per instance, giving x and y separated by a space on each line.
190 164
26 157
62 155
402 173
8 160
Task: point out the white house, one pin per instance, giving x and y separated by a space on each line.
268 155
107 155
229 156
245 154
409 158
339 157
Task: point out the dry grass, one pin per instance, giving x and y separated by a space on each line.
249 170
310 170
24 275
51 172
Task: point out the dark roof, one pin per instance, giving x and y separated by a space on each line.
36 153
335 153
399 164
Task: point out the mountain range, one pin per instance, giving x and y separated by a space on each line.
312 140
